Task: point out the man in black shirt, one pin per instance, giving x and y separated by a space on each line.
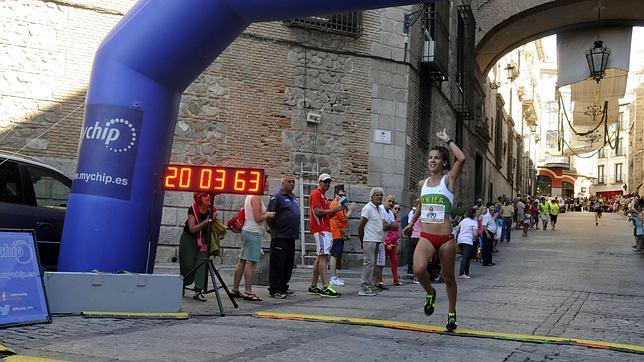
285 228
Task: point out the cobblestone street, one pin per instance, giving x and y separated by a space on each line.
579 281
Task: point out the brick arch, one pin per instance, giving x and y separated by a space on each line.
568 178
547 172
503 25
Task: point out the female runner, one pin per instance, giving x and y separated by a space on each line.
434 209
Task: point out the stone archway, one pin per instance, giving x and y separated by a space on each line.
503 25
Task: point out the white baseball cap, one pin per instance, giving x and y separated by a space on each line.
324 177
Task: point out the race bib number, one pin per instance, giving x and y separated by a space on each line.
432 214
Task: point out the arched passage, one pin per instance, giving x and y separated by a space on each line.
139 73
505 24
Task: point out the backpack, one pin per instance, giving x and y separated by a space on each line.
236 222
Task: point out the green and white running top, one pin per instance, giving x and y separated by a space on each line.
435 202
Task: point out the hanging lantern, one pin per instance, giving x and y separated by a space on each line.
597 58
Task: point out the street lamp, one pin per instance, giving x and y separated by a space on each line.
597 58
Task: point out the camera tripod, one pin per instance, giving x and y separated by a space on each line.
209 263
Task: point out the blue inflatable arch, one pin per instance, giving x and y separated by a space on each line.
139 73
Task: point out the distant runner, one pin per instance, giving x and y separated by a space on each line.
598 207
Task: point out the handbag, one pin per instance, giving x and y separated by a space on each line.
236 223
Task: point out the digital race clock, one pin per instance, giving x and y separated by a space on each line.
222 180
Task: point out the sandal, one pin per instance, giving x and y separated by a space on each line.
236 294
252 297
199 296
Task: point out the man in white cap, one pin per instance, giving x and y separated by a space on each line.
320 213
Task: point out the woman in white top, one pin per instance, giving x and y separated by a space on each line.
251 245
468 231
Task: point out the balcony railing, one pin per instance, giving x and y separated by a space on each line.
610 179
555 161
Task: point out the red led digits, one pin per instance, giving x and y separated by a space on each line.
254 181
205 179
171 174
185 175
240 183
221 180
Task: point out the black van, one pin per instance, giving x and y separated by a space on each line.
34 196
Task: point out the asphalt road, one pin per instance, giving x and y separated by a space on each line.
579 281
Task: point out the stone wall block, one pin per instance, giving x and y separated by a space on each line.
399 166
383 92
170 234
380 77
358 193
178 199
381 51
166 253
384 107
169 216
401 95
392 40
386 122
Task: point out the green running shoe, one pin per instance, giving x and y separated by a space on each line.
451 322
314 290
430 302
329 292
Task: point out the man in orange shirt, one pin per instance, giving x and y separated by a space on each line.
319 214
339 232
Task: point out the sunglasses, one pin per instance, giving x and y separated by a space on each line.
396 208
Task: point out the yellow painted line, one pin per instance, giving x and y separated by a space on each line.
459 332
30 359
140 315
6 350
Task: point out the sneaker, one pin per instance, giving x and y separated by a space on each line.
382 287
329 292
367 292
415 281
278 295
289 292
430 303
451 322
314 290
337 281
399 284
464 276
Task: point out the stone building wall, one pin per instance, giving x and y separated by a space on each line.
248 108
636 143
46 52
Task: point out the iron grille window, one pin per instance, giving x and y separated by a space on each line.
498 136
465 100
347 23
600 174
425 110
510 155
435 55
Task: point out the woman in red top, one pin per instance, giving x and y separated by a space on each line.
193 246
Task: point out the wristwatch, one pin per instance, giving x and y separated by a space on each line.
449 140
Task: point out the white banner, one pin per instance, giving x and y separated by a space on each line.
589 113
573 45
